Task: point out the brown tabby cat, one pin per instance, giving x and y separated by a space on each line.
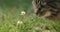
49 9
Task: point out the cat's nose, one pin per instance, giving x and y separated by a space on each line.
37 13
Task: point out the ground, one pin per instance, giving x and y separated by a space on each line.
17 19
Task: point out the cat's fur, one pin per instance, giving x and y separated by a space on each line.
49 9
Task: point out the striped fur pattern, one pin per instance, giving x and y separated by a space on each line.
49 9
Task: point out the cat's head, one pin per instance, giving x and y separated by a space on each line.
46 8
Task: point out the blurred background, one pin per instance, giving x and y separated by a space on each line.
18 16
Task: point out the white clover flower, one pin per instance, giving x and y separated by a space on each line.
19 22
37 28
23 12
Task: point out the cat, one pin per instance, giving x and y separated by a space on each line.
49 9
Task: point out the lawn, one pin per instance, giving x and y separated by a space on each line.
18 16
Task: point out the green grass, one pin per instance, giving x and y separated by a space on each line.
11 19
30 23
